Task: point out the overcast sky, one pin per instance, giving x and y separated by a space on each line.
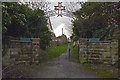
64 22
61 22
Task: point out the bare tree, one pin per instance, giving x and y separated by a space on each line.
43 5
73 6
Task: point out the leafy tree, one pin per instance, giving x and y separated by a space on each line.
13 21
45 38
19 20
93 17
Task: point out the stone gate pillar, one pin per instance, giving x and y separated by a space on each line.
83 50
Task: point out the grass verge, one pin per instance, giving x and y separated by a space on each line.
103 70
56 51
74 53
100 69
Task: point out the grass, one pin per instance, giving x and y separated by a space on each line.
56 51
75 53
102 72
86 68
72 45
90 67
51 52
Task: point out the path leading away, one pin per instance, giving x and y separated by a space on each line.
62 67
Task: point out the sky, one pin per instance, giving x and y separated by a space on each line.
64 22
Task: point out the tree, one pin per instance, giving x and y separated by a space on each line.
19 20
13 20
93 17
45 39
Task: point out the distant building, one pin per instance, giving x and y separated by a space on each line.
57 41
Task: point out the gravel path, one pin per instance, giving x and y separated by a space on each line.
62 67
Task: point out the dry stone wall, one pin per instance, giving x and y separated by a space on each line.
21 52
97 52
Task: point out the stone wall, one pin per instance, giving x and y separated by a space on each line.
83 50
24 52
97 52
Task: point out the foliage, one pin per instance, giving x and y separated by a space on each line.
63 39
74 37
107 72
19 20
95 16
53 52
74 53
45 38
16 18
13 21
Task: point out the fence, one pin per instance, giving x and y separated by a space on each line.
105 52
